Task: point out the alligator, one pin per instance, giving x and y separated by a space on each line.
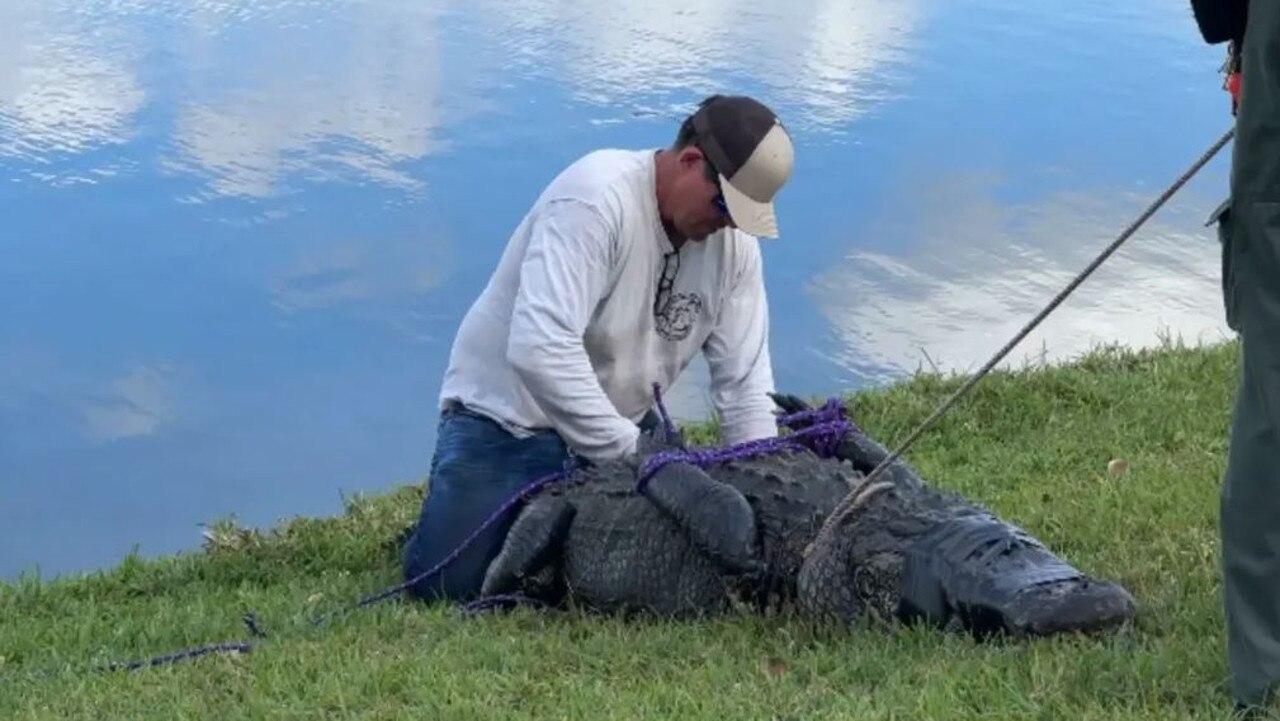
792 530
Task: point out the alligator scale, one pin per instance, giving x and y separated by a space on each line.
698 541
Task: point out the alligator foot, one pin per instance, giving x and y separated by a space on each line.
718 518
862 451
534 540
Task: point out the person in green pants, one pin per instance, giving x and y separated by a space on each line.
1249 227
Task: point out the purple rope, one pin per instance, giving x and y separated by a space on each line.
826 425
824 438
234 646
249 619
520 495
487 602
667 425
828 428
832 410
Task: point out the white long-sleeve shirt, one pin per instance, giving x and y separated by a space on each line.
564 335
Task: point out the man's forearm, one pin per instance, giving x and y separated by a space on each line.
558 374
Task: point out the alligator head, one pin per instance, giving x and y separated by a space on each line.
915 554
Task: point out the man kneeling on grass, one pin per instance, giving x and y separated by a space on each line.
628 264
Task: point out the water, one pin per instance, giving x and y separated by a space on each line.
238 235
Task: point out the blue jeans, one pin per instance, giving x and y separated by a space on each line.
477 466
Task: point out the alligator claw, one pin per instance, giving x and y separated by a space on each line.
789 403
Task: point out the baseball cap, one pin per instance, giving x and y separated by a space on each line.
751 151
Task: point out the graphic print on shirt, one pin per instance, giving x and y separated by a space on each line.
676 317
674 314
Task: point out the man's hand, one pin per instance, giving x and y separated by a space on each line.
658 440
652 442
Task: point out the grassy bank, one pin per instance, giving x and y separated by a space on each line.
1033 445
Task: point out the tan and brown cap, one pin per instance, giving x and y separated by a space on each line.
751 151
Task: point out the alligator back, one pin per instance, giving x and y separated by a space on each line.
791 494
622 551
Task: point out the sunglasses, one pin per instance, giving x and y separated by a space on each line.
720 204
718 201
666 282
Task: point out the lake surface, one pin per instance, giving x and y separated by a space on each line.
236 236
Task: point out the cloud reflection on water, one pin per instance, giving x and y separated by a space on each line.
331 95
386 283
67 85
254 312
59 399
978 269
827 61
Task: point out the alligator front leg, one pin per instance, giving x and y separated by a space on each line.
862 451
535 539
717 518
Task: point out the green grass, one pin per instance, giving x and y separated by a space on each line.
1033 445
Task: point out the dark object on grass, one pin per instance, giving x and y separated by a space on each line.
701 540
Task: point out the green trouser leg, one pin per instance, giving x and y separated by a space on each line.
1250 508
1250 503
